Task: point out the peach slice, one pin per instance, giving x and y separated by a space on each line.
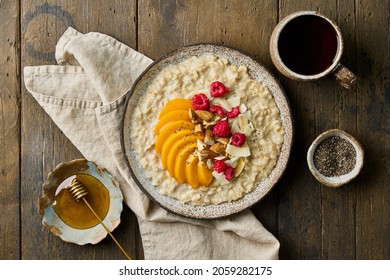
191 170
168 129
205 175
172 139
176 141
176 104
180 163
177 115
177 147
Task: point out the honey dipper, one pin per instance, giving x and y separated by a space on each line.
78 191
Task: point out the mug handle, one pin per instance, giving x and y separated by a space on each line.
344 76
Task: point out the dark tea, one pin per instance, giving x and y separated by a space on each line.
308 45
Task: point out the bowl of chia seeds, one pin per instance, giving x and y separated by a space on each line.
335 158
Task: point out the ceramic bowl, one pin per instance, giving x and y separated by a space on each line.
59 179
257 72
339 180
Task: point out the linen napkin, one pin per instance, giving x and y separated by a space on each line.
85 97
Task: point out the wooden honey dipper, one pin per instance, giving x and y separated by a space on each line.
78 191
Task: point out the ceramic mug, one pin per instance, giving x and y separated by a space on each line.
307 46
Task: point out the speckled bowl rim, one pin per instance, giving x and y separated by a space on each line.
257 72
54 224
343 179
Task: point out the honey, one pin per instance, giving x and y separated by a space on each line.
76 214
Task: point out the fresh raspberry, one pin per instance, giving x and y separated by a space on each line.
220 166
218 110
233 113
238 139
229 173
217 89
200 102
221 129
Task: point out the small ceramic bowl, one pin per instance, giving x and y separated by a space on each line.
67 221
342 179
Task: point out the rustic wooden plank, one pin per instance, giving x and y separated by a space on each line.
338 110
9 130
43 144
167 25
373 123
352 221
312 221
300 202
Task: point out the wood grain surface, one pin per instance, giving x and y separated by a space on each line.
9 131
310 220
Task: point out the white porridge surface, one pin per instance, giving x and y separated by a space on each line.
183 80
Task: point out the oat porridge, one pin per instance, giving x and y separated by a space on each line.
210 153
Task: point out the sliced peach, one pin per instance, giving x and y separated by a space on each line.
168 129
177 115
177 147
176 104
192 170
205 175
180 163
172 139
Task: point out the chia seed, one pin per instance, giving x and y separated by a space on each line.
334 157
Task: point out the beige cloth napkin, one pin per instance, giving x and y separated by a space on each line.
85 97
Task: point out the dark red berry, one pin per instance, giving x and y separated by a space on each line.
233 113
229 173
218 89
217 110
200 102
222 129
220 166
238 139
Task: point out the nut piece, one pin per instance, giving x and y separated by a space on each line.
201 145
198 127
191 114
208 138
213 155
204 115
194 118
218 148
223 140
204 155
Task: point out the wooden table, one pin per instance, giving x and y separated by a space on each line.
310 220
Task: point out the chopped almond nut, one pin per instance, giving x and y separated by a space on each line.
223 140
213 155
204 155
208 125
198 127
218 148
217 118
194 118
204 115
208 138
201 145
191 114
